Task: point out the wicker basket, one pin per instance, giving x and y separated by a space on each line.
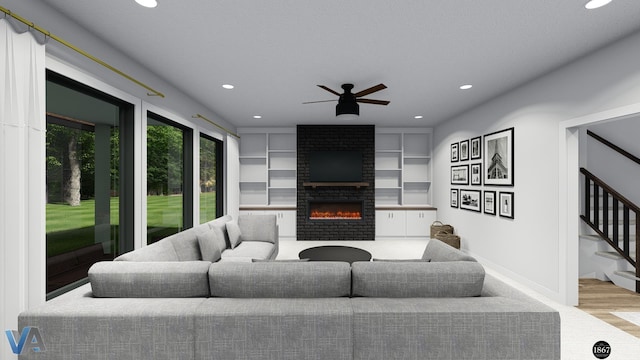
437 227
449 239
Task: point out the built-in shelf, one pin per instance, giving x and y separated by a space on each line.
403 167
357 185
268 167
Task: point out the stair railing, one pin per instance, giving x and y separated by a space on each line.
599 192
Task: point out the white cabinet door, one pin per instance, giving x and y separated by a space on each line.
419 222
390 223
286 220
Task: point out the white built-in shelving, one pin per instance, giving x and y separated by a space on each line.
268 175
267 167
403 166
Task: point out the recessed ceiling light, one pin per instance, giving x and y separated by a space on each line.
148 3
257 116
228 86
594 4
418 117
466 87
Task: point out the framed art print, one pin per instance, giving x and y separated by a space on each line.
476 174
476 148
470 200
505 204
454 152
498 158
460 175
464 150
489 201
454 198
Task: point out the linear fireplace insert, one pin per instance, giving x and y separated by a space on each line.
335 210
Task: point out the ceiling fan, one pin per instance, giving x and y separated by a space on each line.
348 102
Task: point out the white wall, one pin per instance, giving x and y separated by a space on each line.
616 170
529 248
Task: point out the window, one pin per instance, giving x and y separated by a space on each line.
169 178
87 131
210 178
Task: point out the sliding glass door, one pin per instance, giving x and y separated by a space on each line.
169 178
88 145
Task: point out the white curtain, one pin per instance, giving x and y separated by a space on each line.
22 174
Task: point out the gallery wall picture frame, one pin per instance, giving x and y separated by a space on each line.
505 204
470 200
464 150
476 148
476 174
454 198
460 175
454 152
499 158
489 202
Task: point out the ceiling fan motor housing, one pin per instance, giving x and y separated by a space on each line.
347 103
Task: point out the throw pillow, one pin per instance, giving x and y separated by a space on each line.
209 249
235 236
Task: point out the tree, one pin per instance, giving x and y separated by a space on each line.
164 160
72 188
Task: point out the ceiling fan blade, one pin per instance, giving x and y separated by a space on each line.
329 90
321 101
370 90
375 102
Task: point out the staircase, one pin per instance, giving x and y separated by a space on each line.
599 260
608 246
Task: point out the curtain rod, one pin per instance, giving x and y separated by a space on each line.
198 116
78 50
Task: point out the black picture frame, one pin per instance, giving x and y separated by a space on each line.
476 174
489 202
454 152
460 175
453 199
476 148
464 150
505 204
470 200
499 163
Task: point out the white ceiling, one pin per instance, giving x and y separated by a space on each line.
276 51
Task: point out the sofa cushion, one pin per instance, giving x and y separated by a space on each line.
235 236
461 328
121 279
417 279
401 260
91 328
260 329
251 249
208 243
280 280
437 250
258 228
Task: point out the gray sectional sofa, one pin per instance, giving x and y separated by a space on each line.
442 306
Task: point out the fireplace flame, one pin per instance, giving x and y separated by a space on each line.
317 214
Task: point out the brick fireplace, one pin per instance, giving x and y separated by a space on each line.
340 210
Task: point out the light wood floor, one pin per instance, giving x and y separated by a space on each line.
600 298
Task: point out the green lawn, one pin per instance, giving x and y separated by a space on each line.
73 227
